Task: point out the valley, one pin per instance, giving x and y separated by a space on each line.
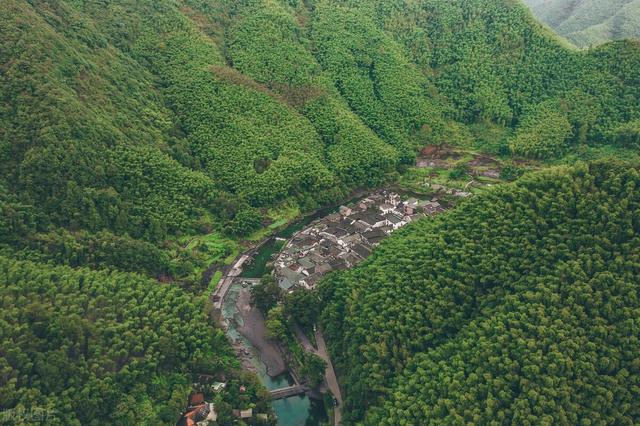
331 239
216 212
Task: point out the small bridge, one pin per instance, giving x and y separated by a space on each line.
287 392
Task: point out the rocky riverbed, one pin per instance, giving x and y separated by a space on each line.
253 328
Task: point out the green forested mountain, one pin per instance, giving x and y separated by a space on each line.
520 306
151 119
143 140
590 22
103 347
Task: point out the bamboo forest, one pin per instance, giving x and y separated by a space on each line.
319 212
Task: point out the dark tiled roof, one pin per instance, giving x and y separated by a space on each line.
338 264
323 268
361 250
332 230
369 217
393 218
374 233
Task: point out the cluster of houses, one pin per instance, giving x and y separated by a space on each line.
198 412
201 413
343 239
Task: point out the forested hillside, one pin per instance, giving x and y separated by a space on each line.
147 120
590 22
520 306
144 143
103 347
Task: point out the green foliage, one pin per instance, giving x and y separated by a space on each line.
244 222
303 306
281 60
511 171
543 133
626 135
90 143
267 294
313 368
458 172
138 118
374 76
126 126
276 328
518 306
99 250
95 346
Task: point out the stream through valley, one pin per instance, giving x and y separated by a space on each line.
292 411
295 410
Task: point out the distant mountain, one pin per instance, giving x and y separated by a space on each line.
590 22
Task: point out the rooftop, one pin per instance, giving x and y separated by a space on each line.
369 217
337 232
361 251
306 262
393 218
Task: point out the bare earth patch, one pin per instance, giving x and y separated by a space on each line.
253 328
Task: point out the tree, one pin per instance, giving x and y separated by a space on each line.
245 221
502 310
313 368
303 306
266 294
276 328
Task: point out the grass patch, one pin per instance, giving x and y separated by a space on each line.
279 217
196 253
283 214
214 283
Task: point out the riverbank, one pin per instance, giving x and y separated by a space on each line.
253 328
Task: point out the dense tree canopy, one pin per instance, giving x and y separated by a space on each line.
520 306
142 117
102 347
151 137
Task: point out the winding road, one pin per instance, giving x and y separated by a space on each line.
329 374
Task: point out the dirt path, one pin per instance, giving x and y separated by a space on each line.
330 376
304 340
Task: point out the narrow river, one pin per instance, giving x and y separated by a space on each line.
293 411
296 410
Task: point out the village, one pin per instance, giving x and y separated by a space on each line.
338 239
343 239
